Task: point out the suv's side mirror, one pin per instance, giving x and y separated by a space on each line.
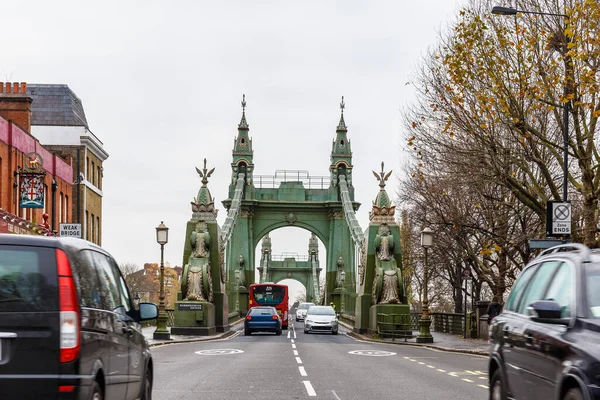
148 311
547 312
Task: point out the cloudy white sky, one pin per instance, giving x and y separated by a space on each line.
162 81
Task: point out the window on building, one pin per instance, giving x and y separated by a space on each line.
93 231
67 208
98 236
60 208
87 168
99 179
87 225
93 173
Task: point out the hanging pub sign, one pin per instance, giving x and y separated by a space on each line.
31 188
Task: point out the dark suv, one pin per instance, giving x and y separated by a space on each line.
546 342
68 328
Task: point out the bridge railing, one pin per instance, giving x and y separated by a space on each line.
273 181
395 325
282 257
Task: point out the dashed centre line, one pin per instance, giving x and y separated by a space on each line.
298 360
309 388
302 371
295 352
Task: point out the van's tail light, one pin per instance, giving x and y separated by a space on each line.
248 317
69 310
275 316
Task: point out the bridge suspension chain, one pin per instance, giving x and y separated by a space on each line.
233 210
355 230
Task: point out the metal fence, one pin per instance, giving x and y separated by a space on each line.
395 325
448 323
170 319
273 181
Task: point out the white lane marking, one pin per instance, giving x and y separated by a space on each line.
302 371
483 386
467 380
295 352
430 366
309 388
441 370
293 346
292 340
335 394
374 353
295 337
289 333
298 360
218 352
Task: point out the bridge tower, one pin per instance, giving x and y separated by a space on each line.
292 198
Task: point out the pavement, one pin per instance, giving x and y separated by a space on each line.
441 341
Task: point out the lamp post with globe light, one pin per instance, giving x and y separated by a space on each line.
425 321
162 332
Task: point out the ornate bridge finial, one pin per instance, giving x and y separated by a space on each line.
382 177
204 174
342 123
243 124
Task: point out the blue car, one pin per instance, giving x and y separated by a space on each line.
262 319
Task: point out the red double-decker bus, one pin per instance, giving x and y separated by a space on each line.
270 294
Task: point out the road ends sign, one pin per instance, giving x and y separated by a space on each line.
558 218
70 230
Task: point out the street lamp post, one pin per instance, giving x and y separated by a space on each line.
497 10
237 291
466 275
342 281
425 321
161 332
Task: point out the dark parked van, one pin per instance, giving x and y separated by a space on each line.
68 328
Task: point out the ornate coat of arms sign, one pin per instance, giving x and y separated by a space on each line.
31 188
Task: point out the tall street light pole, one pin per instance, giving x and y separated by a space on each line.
161 332
425 321
497 10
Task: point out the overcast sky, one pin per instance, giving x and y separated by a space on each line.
162 81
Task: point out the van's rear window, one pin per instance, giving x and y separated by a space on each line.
28 281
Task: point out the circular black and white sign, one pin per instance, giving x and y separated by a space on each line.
372 353
218 352
562 213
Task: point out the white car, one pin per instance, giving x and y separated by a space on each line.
301 311
321 319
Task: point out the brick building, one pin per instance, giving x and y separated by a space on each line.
17 149
58 121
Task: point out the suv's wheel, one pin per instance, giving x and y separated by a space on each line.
96 391
147 389
497 386
573 394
